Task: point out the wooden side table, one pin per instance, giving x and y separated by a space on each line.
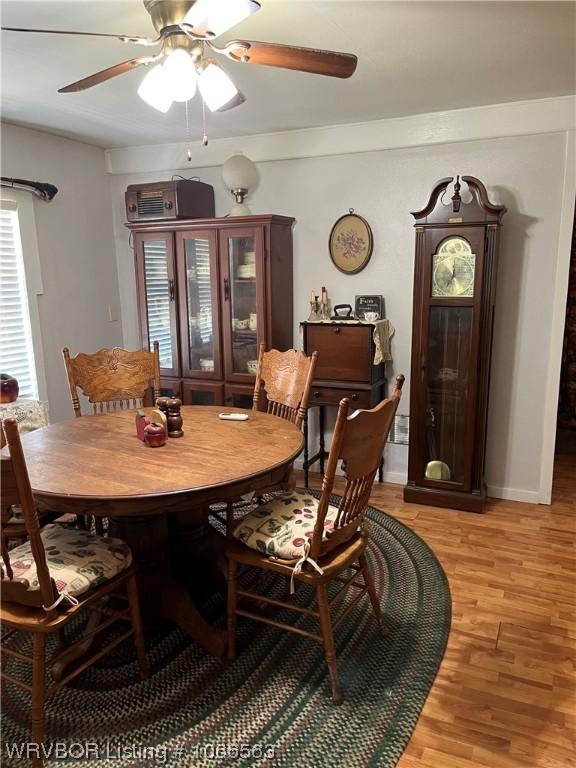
344 369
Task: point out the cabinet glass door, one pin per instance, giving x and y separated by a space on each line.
244 301
198 284
447 392
155 271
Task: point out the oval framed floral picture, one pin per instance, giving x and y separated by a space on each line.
350 243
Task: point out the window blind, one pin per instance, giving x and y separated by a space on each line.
16 349
158 298
200 300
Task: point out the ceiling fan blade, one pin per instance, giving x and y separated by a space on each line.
107 74
210 18
122 38
313 60
234 102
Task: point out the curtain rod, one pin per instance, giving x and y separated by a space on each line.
39 188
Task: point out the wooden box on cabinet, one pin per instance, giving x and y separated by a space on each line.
210 291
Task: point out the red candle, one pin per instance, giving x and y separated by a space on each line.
142 422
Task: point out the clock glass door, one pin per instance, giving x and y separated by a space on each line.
447 388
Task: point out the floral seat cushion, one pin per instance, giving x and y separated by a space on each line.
283 526
77 560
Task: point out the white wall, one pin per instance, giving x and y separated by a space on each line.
525 172
76 250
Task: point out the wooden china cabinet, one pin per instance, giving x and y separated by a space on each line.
210 291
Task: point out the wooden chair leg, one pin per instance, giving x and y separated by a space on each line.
62 642
134 604
38 693
229 519
328 637
232 598
372 594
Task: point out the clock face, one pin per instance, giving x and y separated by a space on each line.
453 269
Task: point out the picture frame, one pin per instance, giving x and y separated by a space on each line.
350 243
371 303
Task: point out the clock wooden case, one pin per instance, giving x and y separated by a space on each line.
454 291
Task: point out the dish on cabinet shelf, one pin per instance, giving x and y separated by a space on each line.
252 366
206 364
240 325
246 270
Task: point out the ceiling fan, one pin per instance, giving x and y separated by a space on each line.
186 30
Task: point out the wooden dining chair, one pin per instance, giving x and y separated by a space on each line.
113 379
312 541
11 521
282 388
285 379
47 581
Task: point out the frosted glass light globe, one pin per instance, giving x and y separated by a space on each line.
216 87
239 172
180 75
240 176
153 89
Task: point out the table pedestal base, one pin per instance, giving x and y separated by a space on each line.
162 595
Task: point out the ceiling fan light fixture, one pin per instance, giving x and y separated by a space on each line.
179 75
216 87
210 18
153 89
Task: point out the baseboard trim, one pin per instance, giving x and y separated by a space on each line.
514 494
398 478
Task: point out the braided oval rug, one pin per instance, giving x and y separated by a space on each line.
272 705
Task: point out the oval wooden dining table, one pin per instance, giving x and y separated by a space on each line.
157 499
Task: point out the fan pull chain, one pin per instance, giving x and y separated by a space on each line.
188 139
204 135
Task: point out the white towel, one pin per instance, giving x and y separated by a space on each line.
383 333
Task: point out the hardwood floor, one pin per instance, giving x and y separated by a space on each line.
505 695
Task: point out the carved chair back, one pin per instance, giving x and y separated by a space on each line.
113 378
16 490
287 379
358 441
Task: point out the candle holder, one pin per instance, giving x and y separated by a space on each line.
324 311
314 315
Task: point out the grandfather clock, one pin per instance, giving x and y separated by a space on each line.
454 290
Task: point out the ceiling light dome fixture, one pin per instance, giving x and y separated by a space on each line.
153 89
176 80
216 87
180 75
